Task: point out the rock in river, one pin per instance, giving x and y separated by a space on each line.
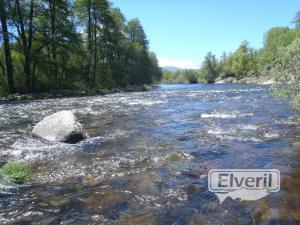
62 127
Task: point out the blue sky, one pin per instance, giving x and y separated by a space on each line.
181 32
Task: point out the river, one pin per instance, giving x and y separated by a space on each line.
149 155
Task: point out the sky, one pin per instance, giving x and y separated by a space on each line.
181 32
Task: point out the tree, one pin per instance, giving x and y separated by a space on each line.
276 38
155 70
138 55
8 60
97 21
242 60
52 48
296 20
210 68
225 65
286 71
23 13
117 49
83 10
136 33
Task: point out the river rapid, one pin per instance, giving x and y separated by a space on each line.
149 155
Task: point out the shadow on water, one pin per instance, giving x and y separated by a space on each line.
149 155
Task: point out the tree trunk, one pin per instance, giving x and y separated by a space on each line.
2 68
89 28
26 42
53 41
95 47
27 62
33 76
8 60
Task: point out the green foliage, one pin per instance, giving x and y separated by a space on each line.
182 76
155 70
210 68
191 76
296 20
250 62
275 39
242 60
168 76
3 90
286 71
136 32
15 172
76 45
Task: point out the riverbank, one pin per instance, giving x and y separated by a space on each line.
245 80
232 80
72 93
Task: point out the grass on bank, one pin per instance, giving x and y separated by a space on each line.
15 172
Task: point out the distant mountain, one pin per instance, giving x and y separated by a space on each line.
171 68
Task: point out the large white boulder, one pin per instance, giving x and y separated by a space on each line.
62 127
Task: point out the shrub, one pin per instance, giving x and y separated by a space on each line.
286 71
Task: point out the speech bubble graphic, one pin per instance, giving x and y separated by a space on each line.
243 184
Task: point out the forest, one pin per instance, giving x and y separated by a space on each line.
51 45
278 59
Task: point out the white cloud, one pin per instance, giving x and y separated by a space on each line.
184 64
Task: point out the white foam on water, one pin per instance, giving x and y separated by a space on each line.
239 138
248 127
36 149
271 135
33 149
243 133
234 134
145 102
292 120
118 133
220 91
215 131
217 115
175 193
225 115
6 188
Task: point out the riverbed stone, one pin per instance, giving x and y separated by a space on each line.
62 126
2 162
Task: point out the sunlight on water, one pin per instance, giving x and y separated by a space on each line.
148 157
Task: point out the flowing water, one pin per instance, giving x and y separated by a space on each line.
148 157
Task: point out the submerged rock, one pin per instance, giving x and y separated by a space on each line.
2 162
62 127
